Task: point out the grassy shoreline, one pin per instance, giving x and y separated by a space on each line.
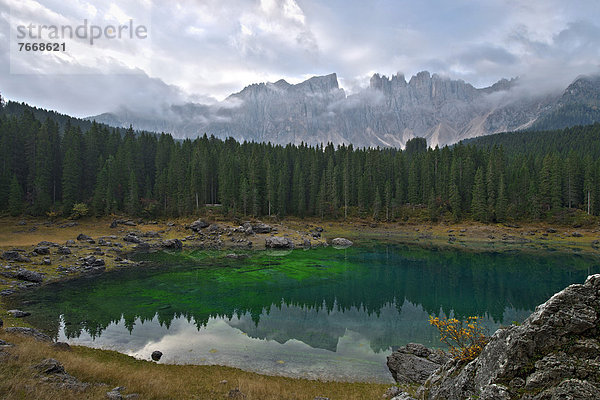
92 365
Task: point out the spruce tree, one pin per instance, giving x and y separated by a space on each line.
479 203
15 197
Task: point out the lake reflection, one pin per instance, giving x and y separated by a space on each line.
325 313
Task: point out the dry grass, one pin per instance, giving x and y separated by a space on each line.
155 381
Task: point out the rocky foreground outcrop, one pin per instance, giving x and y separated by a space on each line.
554 354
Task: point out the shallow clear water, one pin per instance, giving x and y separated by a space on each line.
321 313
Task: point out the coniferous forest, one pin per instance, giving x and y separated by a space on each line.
57 165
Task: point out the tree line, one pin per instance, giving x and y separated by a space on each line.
47 169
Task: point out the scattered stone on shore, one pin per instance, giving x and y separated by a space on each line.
197 225
83 237
62 346
236 394
414 363
70 243
19 313
172 244
132 238
577 234
551 230
341 243
28 332
53 372
278 242
63 250
156 355
14 255
261 228
1 323
596 244
30 276
42 250
554 354
116 394
91 262
113 224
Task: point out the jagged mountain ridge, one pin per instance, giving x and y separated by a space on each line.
388 112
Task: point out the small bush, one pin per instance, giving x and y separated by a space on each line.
79 210
465 339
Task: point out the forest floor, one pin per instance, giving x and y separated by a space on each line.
151 380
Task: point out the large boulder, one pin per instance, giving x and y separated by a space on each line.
278 242
554 354
414 363
197 225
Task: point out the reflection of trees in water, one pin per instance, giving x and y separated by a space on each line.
438 281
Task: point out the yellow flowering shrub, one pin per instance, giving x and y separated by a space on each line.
465 338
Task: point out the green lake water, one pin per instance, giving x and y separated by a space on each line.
322 313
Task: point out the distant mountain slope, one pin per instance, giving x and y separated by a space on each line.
387 113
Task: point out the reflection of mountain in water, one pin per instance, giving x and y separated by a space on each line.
320 328
313 296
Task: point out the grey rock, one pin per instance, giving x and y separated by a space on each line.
50 366
172 244
19 313
42 250
392 391
62 346
236 394
577 234
156 355
29 332
197 225
414 363
132 238
70 243
46 261
554 352
113 224
403 396
261 228
341 242
83 237
1 323
278 242
16 256
30 276
63 250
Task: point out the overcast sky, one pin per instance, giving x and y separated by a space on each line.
203 50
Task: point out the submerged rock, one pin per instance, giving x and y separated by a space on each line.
554 354
414 363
